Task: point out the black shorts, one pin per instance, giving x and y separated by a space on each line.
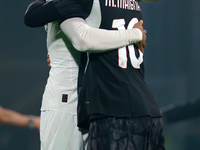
142 133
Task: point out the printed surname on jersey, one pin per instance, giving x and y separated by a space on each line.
123 4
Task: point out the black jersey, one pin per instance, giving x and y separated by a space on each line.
113 83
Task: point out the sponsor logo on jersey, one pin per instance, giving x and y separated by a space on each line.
64 98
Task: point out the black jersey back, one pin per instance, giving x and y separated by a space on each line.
113 84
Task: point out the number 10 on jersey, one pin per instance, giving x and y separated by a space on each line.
122 54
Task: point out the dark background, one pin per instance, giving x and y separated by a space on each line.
171 58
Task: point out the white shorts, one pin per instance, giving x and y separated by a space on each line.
59 131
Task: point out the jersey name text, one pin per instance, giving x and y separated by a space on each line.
123 4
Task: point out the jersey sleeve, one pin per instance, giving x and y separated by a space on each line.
87 39
40 12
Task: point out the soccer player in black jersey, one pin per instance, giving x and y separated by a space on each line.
113 95
121 109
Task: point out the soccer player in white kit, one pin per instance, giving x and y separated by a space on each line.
59 129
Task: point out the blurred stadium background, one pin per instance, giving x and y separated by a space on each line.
171 58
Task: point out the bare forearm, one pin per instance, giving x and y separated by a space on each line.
14 118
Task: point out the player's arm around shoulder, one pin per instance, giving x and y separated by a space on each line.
93 40
41 12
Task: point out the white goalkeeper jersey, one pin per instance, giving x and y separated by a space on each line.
60 92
